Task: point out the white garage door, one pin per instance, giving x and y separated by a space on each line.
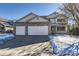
20 30
37 30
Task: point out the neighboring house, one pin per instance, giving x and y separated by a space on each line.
7 26
33 24
2 28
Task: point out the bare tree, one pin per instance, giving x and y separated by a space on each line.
71 10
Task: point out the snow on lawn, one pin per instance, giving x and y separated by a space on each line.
61 42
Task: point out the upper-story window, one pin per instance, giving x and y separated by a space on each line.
53 20
61 20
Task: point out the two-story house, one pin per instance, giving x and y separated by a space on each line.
32 24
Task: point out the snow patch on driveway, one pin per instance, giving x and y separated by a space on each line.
5 37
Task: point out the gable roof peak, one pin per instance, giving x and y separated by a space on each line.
55 13
31 13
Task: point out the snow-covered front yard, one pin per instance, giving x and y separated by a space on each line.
64 44
61 44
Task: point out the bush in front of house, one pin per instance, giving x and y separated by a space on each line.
74 30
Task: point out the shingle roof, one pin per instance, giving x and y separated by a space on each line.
34 15
31 15
55 14
44 17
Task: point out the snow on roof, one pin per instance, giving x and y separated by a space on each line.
5 24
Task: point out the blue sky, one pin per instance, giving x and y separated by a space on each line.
18 10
